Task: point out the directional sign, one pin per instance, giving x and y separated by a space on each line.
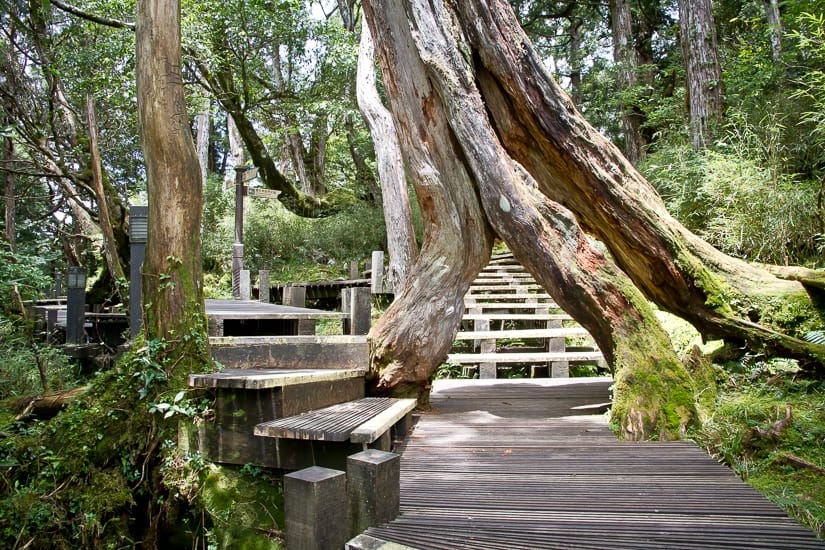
263 193
250 174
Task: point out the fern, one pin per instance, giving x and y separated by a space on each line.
816 337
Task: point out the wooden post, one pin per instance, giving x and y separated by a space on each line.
373 488
558 369
354 273
75 305
361 310
377 272
237 247
246 286
346 307
315 509
138 231
263 286
295 296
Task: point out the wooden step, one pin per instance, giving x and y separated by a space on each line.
290 352
534 357
495 316
510 305
474 288
366 419
522 334
258 379
504 267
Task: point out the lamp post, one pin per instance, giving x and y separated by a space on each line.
75 304
237 248
138 234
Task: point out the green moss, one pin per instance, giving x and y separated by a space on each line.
245 507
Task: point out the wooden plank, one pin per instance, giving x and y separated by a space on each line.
373 428
252 309
334 423
480 478
257 379
537 357
509 305
522 334
517 316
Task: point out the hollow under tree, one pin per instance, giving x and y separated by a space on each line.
495 147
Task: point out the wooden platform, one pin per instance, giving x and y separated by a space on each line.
500 464
252 318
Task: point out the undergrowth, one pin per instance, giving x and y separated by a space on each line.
769 427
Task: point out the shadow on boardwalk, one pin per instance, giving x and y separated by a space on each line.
500 464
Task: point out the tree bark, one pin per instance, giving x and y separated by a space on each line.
236 152
704 74
401 241
8 193
624 54
203 122
472 101
172 277
775 30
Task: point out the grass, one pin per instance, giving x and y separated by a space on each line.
739 434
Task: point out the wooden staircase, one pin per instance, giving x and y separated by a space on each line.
511 322
290 402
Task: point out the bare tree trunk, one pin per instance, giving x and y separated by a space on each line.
472 101
774 28
8 193
704 74
624 54
110 247
574 55
401 242
316 159
236 153
172 277
202 125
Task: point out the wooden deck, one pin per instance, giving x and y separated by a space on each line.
501 464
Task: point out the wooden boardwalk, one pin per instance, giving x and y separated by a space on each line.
501 464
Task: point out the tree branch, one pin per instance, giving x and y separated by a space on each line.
107 21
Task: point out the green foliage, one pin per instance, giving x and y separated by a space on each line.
76 480
279 240
738 433
19 374
744 206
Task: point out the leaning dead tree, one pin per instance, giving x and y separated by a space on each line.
496 148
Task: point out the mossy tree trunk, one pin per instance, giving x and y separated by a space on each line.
495 147
172 278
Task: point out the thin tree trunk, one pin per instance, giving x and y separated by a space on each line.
8 193
202 125
574 55
172 278
401 242
704 74
624 54
316 159
774 28
236 152
110 247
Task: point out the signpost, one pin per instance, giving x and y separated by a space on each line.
242 176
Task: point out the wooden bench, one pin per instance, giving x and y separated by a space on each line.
360 421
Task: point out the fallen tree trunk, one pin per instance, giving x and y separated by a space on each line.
47 405
494 144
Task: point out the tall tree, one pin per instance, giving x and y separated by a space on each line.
172 278
704 74
496 147
401 241
627 61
